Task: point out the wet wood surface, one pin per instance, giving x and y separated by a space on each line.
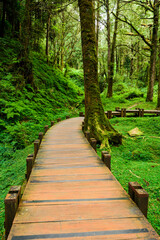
72 195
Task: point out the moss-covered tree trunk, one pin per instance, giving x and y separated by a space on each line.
95 119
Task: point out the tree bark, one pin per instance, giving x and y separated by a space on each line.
62 42
97 25
26 64
153 52
117 60
108 37
95 119
110 77
2 31
47 37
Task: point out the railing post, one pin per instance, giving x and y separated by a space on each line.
106 158
29 165
36 147
139 196
109 114
46 128
122 112
142 112
102 155
131 189
52 123
81 114
139 113
11 204
117 108
16 189
93 142
58 119
141 199
87 135
40 136
67 117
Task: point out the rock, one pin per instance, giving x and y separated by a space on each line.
135 132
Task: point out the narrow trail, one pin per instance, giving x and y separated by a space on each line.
136 104
72 195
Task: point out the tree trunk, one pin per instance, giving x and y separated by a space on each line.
2 31
117 60
153 52
158 102
47 36
110 77
108 37
95 119
62 43
131 64
97 25
26 64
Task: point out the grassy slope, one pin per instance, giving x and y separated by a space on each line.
24 112
138 159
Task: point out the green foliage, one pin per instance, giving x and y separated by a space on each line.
76 75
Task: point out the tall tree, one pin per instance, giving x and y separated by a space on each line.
97 24
2 31
47 36
112 53
95 119
152 73
106 2
26 64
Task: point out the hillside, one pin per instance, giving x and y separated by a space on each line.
24 111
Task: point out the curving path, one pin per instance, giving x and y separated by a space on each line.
72 195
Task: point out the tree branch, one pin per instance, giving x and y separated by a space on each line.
130 24
125 45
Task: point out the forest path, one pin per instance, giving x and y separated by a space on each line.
72 195
136 104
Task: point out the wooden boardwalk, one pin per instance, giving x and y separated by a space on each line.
72 195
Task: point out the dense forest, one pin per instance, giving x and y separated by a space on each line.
41 79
